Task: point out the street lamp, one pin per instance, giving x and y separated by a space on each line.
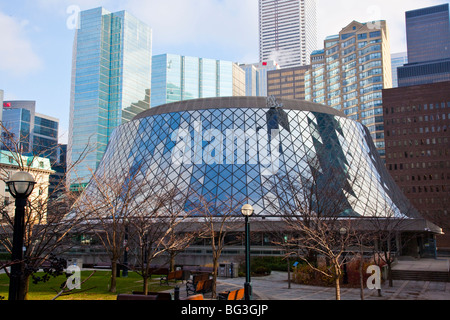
20 186
247 211
343 232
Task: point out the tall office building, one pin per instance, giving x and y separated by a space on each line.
178 78
350 73
397 60
256 77
32 132
417 124
287 31
111 81
287 83
428 42
428 33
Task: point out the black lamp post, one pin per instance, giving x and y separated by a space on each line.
247 211
20 186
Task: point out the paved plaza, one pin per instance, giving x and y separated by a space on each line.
275 286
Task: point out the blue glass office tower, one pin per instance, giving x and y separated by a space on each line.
178 78
34 133
428 41
111 81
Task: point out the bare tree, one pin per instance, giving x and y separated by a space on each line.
217 217
46 225
110 202
315 206
156 228
388 233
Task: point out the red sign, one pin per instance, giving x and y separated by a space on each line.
7 104
264 63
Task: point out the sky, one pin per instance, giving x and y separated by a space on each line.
36 37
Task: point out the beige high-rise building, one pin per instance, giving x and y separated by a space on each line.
350 73
287 83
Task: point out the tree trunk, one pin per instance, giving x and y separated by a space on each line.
113 287
389 271
172 261
338 288
337 274
24 285
215 269
145 288
361 277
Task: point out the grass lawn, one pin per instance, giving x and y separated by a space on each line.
98 285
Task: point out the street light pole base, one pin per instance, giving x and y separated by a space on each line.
248 291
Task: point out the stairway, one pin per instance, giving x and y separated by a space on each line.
415 275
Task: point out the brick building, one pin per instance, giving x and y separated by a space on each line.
417 134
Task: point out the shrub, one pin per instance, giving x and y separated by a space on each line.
304 274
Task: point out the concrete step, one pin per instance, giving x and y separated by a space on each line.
434 276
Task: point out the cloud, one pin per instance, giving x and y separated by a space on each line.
17 56
231 25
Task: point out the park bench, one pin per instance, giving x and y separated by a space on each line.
200 287
136 297
194 297
172 276
198 277
232 295
160 295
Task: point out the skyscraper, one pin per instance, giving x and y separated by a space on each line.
417 125
178 78
350 73
32 132
397 60
111 81
428 33
287 31
287 83
428 42
256 77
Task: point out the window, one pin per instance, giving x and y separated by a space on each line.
362 36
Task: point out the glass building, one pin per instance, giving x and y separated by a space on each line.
287 31
256 75
428 41
350 73
111 81
178 78
397 60
219 147
35 133
18 120
428 33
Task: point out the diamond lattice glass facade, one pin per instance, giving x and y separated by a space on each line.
111 81
231 147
